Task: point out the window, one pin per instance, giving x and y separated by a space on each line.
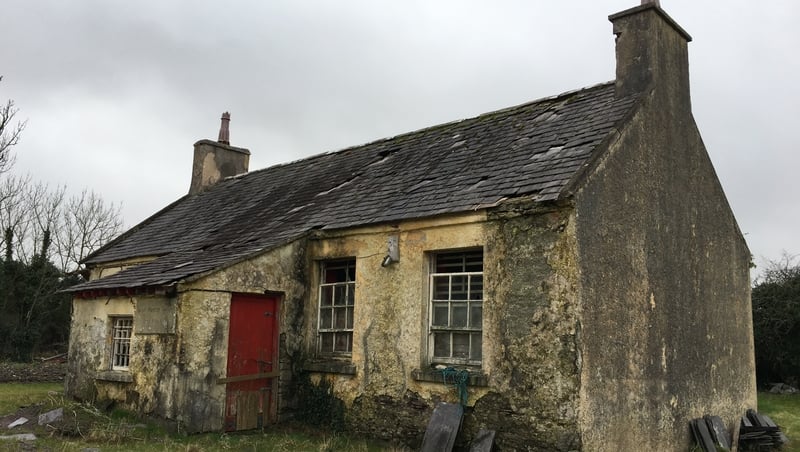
456 307
121 342
336 301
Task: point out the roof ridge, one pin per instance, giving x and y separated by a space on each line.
533 149
428 128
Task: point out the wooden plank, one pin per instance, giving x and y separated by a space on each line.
239 378
483 441
440 436
247 410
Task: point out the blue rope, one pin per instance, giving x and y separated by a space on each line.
457 378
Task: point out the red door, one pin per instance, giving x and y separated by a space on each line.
252 362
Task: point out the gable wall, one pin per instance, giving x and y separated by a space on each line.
667 331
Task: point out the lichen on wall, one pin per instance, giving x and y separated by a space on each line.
533 318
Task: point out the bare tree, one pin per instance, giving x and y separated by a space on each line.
74 227
87 223
13 213
9 133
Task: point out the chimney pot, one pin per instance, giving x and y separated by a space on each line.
216 160
224 129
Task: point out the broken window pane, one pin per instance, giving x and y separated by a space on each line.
476 287
343 342
458 287
441 287
326 295
340 295
461 345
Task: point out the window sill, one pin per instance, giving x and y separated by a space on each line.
476 377
120 376
331 367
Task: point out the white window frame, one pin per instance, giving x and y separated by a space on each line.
471 303
336 299
121 334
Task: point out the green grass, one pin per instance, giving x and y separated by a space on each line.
123 431
119 430
785 411
15 395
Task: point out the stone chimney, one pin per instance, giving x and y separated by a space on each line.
216 160
651 51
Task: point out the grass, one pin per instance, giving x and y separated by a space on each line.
784 409
15 395
85 426
123 431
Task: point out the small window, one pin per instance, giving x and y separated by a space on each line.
456 307
336 303
121 342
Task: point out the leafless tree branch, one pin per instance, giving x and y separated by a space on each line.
10 133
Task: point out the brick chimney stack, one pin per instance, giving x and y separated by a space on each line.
216 160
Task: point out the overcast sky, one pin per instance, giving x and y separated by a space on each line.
117 92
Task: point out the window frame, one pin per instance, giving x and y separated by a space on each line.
468 303
335 309
121 337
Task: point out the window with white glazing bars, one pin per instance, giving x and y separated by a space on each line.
121 342
336 303
456 307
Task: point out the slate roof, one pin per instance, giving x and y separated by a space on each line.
534 149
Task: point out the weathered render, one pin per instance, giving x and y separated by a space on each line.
664 270
605 278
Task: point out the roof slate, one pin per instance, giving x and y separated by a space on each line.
533 149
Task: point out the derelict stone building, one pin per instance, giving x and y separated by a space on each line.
576 255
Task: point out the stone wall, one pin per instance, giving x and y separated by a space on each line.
386 395
666 322
526 387
532 401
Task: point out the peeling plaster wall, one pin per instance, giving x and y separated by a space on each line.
530 352
204 313
179 344
533 399
89 375
667 330
528 379
389 334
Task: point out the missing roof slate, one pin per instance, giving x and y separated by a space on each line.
415 175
